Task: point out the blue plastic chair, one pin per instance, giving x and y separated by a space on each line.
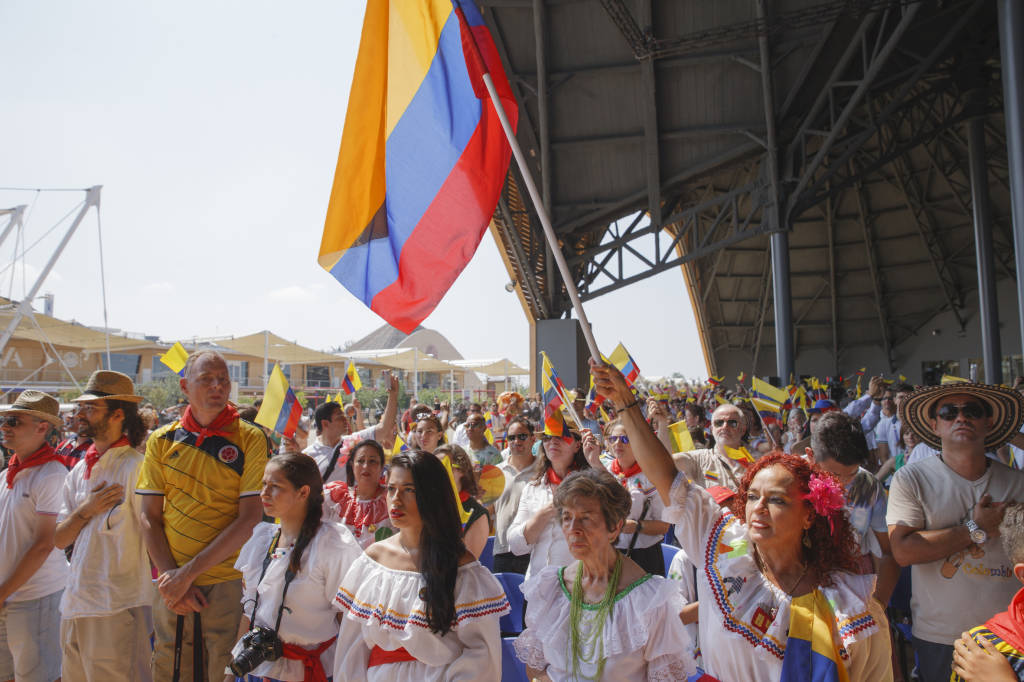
512 669
487 556
512 624
668 552
898 612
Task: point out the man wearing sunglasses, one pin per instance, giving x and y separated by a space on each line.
713 466
944 514
518 469
32 571
107 604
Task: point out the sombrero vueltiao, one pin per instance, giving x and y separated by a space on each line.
1007 410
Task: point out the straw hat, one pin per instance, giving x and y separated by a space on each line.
105 384
37 404
1007 410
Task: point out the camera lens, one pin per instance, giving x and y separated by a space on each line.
246 661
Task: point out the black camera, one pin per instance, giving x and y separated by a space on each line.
258 645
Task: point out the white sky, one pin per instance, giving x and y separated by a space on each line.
214 129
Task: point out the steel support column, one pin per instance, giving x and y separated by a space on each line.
781 292
1011 52
551 285
982 210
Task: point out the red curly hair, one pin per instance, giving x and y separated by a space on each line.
833 546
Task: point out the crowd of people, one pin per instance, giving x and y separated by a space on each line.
208 548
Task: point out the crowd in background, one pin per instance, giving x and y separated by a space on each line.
672 531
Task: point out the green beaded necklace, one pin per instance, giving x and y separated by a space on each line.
584 648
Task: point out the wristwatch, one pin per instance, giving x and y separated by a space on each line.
978 536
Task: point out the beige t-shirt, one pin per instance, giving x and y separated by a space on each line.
708 468
969 587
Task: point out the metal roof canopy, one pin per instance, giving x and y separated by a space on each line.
699 134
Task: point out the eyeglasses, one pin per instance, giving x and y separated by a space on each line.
513 437
949 412
619 439
731 423
12 422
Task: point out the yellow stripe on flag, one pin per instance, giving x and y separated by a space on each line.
463 514
768 391
682 441
175 357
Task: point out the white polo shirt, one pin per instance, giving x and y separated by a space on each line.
36 492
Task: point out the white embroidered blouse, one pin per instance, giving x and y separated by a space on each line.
741 640
643 638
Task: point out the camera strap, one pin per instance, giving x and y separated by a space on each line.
289 576
334 460
197 648
636 533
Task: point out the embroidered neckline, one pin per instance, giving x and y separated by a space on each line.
594 607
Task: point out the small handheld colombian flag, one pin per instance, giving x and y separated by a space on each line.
280 410
351 383
553 390
175 358
423 156
621 358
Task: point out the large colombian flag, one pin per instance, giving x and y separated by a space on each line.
423 157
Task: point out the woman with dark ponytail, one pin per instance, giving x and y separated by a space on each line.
418 606
290 572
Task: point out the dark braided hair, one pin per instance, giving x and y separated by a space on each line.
301 470
441 544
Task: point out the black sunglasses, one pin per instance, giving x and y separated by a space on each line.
731 423
949 412
13 422
512 437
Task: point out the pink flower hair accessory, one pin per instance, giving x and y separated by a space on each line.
825 495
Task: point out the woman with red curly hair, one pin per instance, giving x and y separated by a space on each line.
779 599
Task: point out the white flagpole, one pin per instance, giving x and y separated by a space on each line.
542 210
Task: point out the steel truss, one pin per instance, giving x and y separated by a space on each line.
889 110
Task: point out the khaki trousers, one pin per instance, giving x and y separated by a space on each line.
220 621
113 648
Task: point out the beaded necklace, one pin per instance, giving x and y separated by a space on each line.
583 648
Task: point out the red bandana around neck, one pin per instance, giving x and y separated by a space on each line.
39 457
463 496
215 428
553 478
92 456
1009 624
616 469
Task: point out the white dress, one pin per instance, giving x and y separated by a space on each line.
642 640
381 607
740 641
309 618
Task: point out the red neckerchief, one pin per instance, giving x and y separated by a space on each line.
627 474
553 478
463 496
215 428
41 456
313 667
1009 624
92 456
